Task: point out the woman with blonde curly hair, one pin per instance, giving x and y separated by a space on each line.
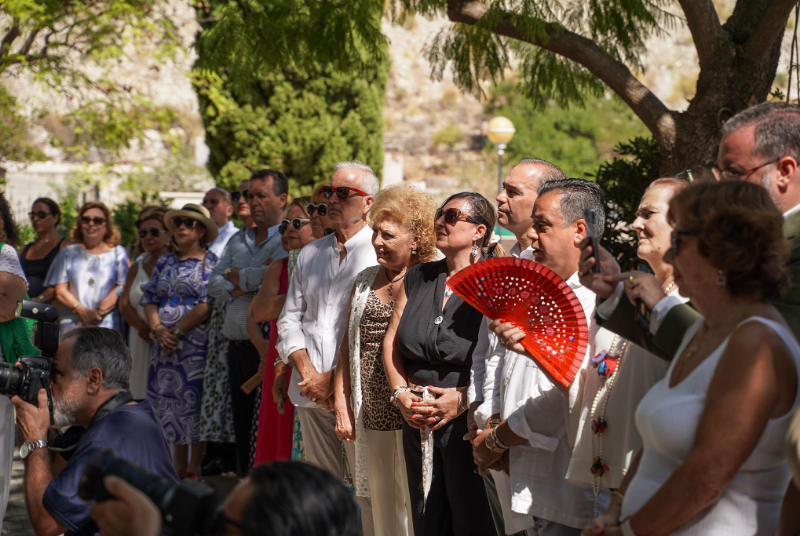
87 274
403 236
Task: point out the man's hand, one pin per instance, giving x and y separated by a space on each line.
33 421
594 281
503 464
279 388
131 514
317 387
481 454
233 277
640 286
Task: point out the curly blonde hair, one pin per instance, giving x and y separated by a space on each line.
414 210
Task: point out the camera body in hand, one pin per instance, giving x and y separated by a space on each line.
187 509
33 373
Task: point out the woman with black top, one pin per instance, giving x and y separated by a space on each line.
428 352
37 256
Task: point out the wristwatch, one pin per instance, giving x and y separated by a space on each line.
27 448
494 422
494 444
226 272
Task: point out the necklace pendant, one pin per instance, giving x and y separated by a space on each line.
599 468
91 281
438 320
599 426
390 288
599 358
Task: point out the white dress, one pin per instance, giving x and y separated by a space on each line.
667 419
140 350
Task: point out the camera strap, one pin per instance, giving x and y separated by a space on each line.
119 399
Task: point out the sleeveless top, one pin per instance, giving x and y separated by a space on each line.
135 294
36 271
667 419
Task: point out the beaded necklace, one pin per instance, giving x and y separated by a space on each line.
598 422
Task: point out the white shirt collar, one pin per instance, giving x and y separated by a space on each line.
791 212
516 251
574 281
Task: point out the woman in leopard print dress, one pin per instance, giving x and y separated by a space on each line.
402 220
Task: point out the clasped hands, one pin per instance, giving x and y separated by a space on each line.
318 387
166 338
432 413
484 458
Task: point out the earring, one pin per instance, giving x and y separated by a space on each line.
474 249
413 251
721 279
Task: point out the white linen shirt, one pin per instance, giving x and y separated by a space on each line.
539 412
226 232
317 305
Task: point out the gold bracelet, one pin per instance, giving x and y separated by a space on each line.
618 494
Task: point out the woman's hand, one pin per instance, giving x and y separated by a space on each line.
437 412
107 304
508 335
640 286
345 423
89 317
279 387
166 338
144 333
607 523
405 401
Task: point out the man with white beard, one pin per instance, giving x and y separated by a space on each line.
90 391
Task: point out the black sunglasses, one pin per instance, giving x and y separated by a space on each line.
155 233
320 209
41 214
296 223
675 235
236 195
86 220
342 192
189 223
453 215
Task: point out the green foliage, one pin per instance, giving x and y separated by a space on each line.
624 180
302 114
577 139
449 136
13 132
25 234
126 214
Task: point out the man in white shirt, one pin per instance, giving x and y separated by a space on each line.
515 213
538 414
314 317
220 207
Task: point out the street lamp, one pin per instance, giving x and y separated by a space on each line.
500 132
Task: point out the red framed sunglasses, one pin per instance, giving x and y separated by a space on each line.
342 192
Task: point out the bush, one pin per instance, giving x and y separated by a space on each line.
449 136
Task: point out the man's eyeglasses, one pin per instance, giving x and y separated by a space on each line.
189 223
41 214
728 175
342 192
675 236
320 209
684 175
221 521
235 196
453 216
155 233
296 223
98 221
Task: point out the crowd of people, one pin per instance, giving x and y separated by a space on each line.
325 331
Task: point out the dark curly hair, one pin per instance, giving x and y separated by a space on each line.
739 231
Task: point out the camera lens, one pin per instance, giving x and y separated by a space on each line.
10 379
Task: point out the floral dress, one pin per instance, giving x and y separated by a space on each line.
175 380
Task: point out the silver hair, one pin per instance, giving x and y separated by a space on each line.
576 196
369 181
226 196
550 172
102 348
777 130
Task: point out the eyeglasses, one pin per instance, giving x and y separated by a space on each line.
220 522
453 216
98 221
41 214
728 175
342 192
321 209
688 175
189 223
296 223
235 196
675 235
155 233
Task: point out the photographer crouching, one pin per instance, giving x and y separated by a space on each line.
90 392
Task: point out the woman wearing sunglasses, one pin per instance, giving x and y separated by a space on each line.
177 308
317 210
428 353
155 240
88 274
38 256
275 412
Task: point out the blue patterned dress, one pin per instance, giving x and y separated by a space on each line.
175 380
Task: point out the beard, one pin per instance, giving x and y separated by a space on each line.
65 409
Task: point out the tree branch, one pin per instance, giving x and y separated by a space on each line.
616 75
706 30
26 46
771 25
8 39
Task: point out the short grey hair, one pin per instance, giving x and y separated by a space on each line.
369 181
226 196
549 171
102 348
576 196
777 130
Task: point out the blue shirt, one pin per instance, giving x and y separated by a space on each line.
135 435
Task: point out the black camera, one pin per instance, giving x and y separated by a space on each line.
188 508
33 373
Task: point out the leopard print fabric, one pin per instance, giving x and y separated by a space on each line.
379 413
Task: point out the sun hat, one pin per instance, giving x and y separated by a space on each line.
195 212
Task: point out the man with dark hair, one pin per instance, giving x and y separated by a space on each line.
89 384
235 279
220 207
535 434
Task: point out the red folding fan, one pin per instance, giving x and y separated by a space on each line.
534 298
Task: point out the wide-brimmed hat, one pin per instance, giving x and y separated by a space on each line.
195 212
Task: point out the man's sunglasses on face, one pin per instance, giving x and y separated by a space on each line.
342 192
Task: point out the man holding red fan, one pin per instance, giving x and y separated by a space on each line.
533 426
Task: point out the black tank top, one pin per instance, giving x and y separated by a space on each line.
36 271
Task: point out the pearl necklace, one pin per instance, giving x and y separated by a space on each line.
598 468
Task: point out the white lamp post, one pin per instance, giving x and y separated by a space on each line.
500 132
